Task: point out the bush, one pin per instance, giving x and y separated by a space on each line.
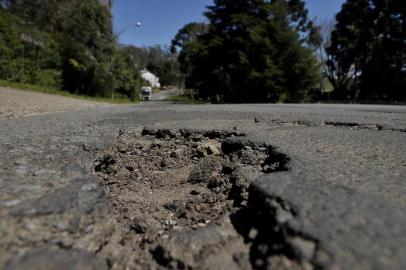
50 78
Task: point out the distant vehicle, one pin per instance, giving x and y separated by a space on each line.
146 93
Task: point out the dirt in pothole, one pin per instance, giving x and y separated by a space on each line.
175 194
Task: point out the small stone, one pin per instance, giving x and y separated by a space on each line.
122 149
208 149
203 172
85 148
173 206
248 157
138 225
196 137
213 150
165 163
253 234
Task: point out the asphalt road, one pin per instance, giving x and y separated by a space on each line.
164 94
340 203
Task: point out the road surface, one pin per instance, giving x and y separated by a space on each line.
164 94
161 185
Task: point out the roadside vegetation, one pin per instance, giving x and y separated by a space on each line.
248 51
270 51
246 55
70 47
185 99
118 99
366 55
66 45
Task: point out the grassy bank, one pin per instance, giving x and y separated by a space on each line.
48 90
185 99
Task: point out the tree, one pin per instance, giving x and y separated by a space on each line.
126 73
367 55
184 44
10 45
189 33
87 48
321 40
25 61
254 51
79 51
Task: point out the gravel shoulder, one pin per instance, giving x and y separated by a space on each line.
17 103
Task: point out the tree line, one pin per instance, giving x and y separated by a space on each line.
366 58
247 51
61 43
69 44
270 51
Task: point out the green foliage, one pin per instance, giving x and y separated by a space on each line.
49 77
76 49
169 74
56 91
86 48
189 33
185 99
25 61
127 80
367 55
254 51
9 45
185 43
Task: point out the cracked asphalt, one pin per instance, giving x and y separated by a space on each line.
339 205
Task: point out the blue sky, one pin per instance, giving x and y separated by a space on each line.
161 19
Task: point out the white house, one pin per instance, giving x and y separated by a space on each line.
151 78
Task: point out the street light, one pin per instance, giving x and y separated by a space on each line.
138 24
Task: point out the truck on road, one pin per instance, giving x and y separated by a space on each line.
146 93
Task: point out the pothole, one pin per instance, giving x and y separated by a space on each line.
353 125
175 194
